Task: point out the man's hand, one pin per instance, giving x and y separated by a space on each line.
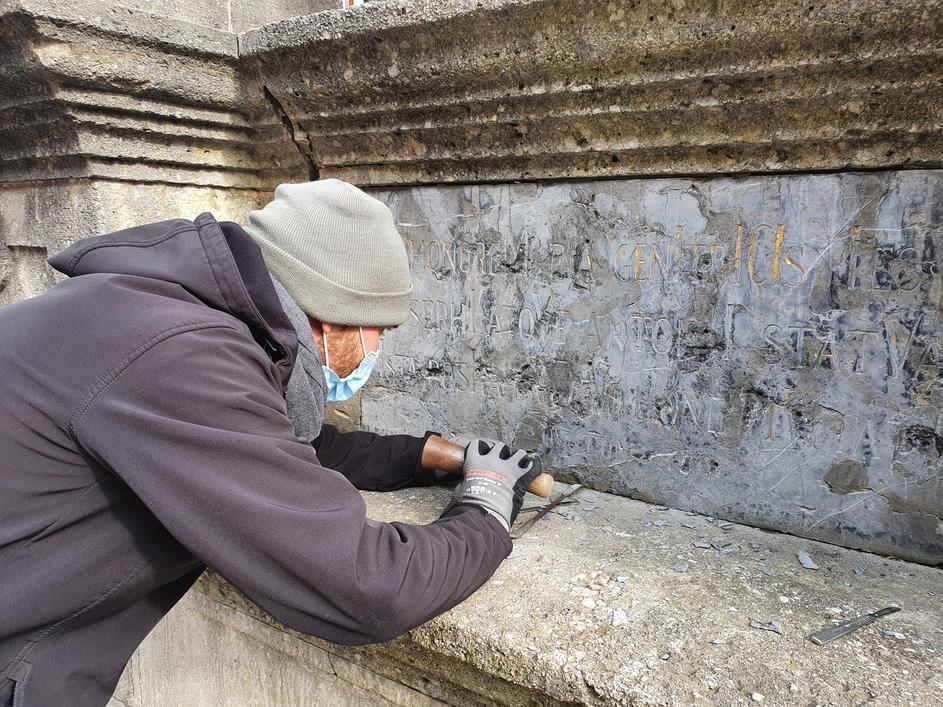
439 456
495 479
441 462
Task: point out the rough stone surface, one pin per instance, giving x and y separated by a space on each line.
590 610
211 13
423 91
111 116
99 91
765 349
231 15
246 14
37 222
241 662
345 416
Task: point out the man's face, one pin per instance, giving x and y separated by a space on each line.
343 344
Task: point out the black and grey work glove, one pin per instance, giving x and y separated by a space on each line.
496 479
464 439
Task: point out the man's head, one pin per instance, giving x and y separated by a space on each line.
339 255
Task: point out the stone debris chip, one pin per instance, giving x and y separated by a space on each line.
773 626
806 561
586 505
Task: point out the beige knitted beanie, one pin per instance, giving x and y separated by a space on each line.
337 251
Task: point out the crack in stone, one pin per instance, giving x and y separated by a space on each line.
312 167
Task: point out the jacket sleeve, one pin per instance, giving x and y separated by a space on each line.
196 427
374 462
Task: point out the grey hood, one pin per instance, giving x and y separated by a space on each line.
307 387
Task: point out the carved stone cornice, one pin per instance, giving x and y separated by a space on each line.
95 90
421 91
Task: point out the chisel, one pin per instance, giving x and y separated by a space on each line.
544 510
852 625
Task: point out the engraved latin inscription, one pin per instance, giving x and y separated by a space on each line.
720 344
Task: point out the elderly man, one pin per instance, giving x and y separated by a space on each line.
160 412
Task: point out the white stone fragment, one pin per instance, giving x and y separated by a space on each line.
806 561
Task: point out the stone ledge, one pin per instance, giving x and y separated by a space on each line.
609 602
426 92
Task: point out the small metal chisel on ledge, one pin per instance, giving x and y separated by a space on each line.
852 625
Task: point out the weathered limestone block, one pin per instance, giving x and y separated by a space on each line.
608 602
231 15
765 349
111 116
246 14
97 90
426 91
243 661
37 221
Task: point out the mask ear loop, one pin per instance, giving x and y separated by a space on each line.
363 346
327 358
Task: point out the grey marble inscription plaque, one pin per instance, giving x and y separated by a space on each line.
765 349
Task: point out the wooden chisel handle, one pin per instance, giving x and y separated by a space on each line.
450 457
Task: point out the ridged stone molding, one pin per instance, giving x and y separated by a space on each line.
423 91
97 90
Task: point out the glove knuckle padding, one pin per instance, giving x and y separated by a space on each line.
497 478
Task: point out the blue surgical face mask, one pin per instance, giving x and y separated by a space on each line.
338 388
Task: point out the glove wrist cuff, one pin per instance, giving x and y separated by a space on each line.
501 519
484 506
